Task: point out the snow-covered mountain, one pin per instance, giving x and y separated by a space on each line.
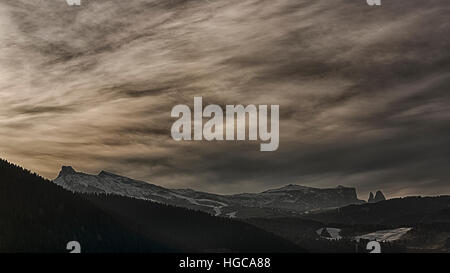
285 201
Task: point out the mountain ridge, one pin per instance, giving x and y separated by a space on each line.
288 200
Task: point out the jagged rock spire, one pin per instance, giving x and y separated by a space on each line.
379 196
370 200
65 170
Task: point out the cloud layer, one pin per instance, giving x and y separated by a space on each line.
363 91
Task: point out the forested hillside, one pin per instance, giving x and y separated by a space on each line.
406 211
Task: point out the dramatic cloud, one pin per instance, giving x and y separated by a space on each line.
363 91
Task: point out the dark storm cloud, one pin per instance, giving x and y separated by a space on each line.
363 91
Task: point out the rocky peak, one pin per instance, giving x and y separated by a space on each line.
379 196
66 170
370 200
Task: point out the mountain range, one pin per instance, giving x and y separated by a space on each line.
112 213
289 200
38 216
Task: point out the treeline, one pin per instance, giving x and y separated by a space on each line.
407 211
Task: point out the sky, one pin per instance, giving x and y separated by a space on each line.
363 91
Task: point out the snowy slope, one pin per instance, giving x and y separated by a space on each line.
385 235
